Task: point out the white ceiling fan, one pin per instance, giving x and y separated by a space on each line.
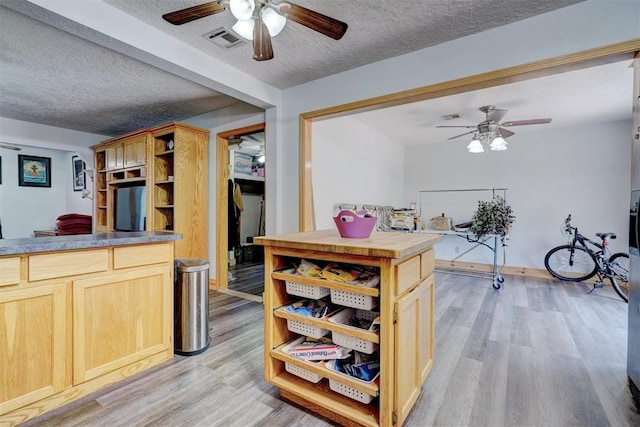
492 133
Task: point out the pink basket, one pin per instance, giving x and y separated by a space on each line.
354 226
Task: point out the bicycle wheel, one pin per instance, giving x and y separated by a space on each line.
619 264
571 264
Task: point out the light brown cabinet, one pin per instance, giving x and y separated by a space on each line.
135 151
33 342
115 156
414 335
65 333
179 186
171 160
138 331
404 299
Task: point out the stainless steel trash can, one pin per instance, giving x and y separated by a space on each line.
191 306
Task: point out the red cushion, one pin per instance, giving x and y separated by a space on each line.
74 216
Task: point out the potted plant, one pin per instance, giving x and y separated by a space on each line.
492 218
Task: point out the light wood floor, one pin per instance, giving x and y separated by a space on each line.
248 277
536 353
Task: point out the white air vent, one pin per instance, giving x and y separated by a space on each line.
451 116
224 38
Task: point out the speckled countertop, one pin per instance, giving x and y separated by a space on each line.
83 241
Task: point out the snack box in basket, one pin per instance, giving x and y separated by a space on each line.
321 349
304 328
297 370
348 390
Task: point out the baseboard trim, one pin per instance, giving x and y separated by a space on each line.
487 268
244 295
479 268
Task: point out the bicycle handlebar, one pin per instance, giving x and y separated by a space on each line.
567 225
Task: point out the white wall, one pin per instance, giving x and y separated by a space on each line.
233 117
35 135
584 171
589 24
353 164
25 209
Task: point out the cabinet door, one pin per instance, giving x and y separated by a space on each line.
32 344
414 345
135 151
119 156
119 319
110 156
115 156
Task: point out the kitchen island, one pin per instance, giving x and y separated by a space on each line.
402 298
80 312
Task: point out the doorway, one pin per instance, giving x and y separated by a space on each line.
241 172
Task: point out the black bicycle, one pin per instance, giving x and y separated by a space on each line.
582 258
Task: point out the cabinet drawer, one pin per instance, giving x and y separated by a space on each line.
131 256
428 263
9 271
47 266
408 274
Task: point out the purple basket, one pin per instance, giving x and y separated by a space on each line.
354 226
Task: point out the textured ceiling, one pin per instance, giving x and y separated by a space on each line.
378 29
51 77
591 95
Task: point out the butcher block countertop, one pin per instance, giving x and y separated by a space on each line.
387 244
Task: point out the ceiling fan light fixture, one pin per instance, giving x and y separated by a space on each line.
273 20
242 9
244 28
475 146
498 144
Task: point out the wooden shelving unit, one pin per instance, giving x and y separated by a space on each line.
179 186
163 160
175 176
404 298
100 194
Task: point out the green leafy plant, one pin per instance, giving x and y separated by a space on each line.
492 217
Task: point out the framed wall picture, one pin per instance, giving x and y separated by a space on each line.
34 171
78 173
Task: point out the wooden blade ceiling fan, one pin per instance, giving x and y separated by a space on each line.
259 20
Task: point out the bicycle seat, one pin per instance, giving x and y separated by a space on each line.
605 236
